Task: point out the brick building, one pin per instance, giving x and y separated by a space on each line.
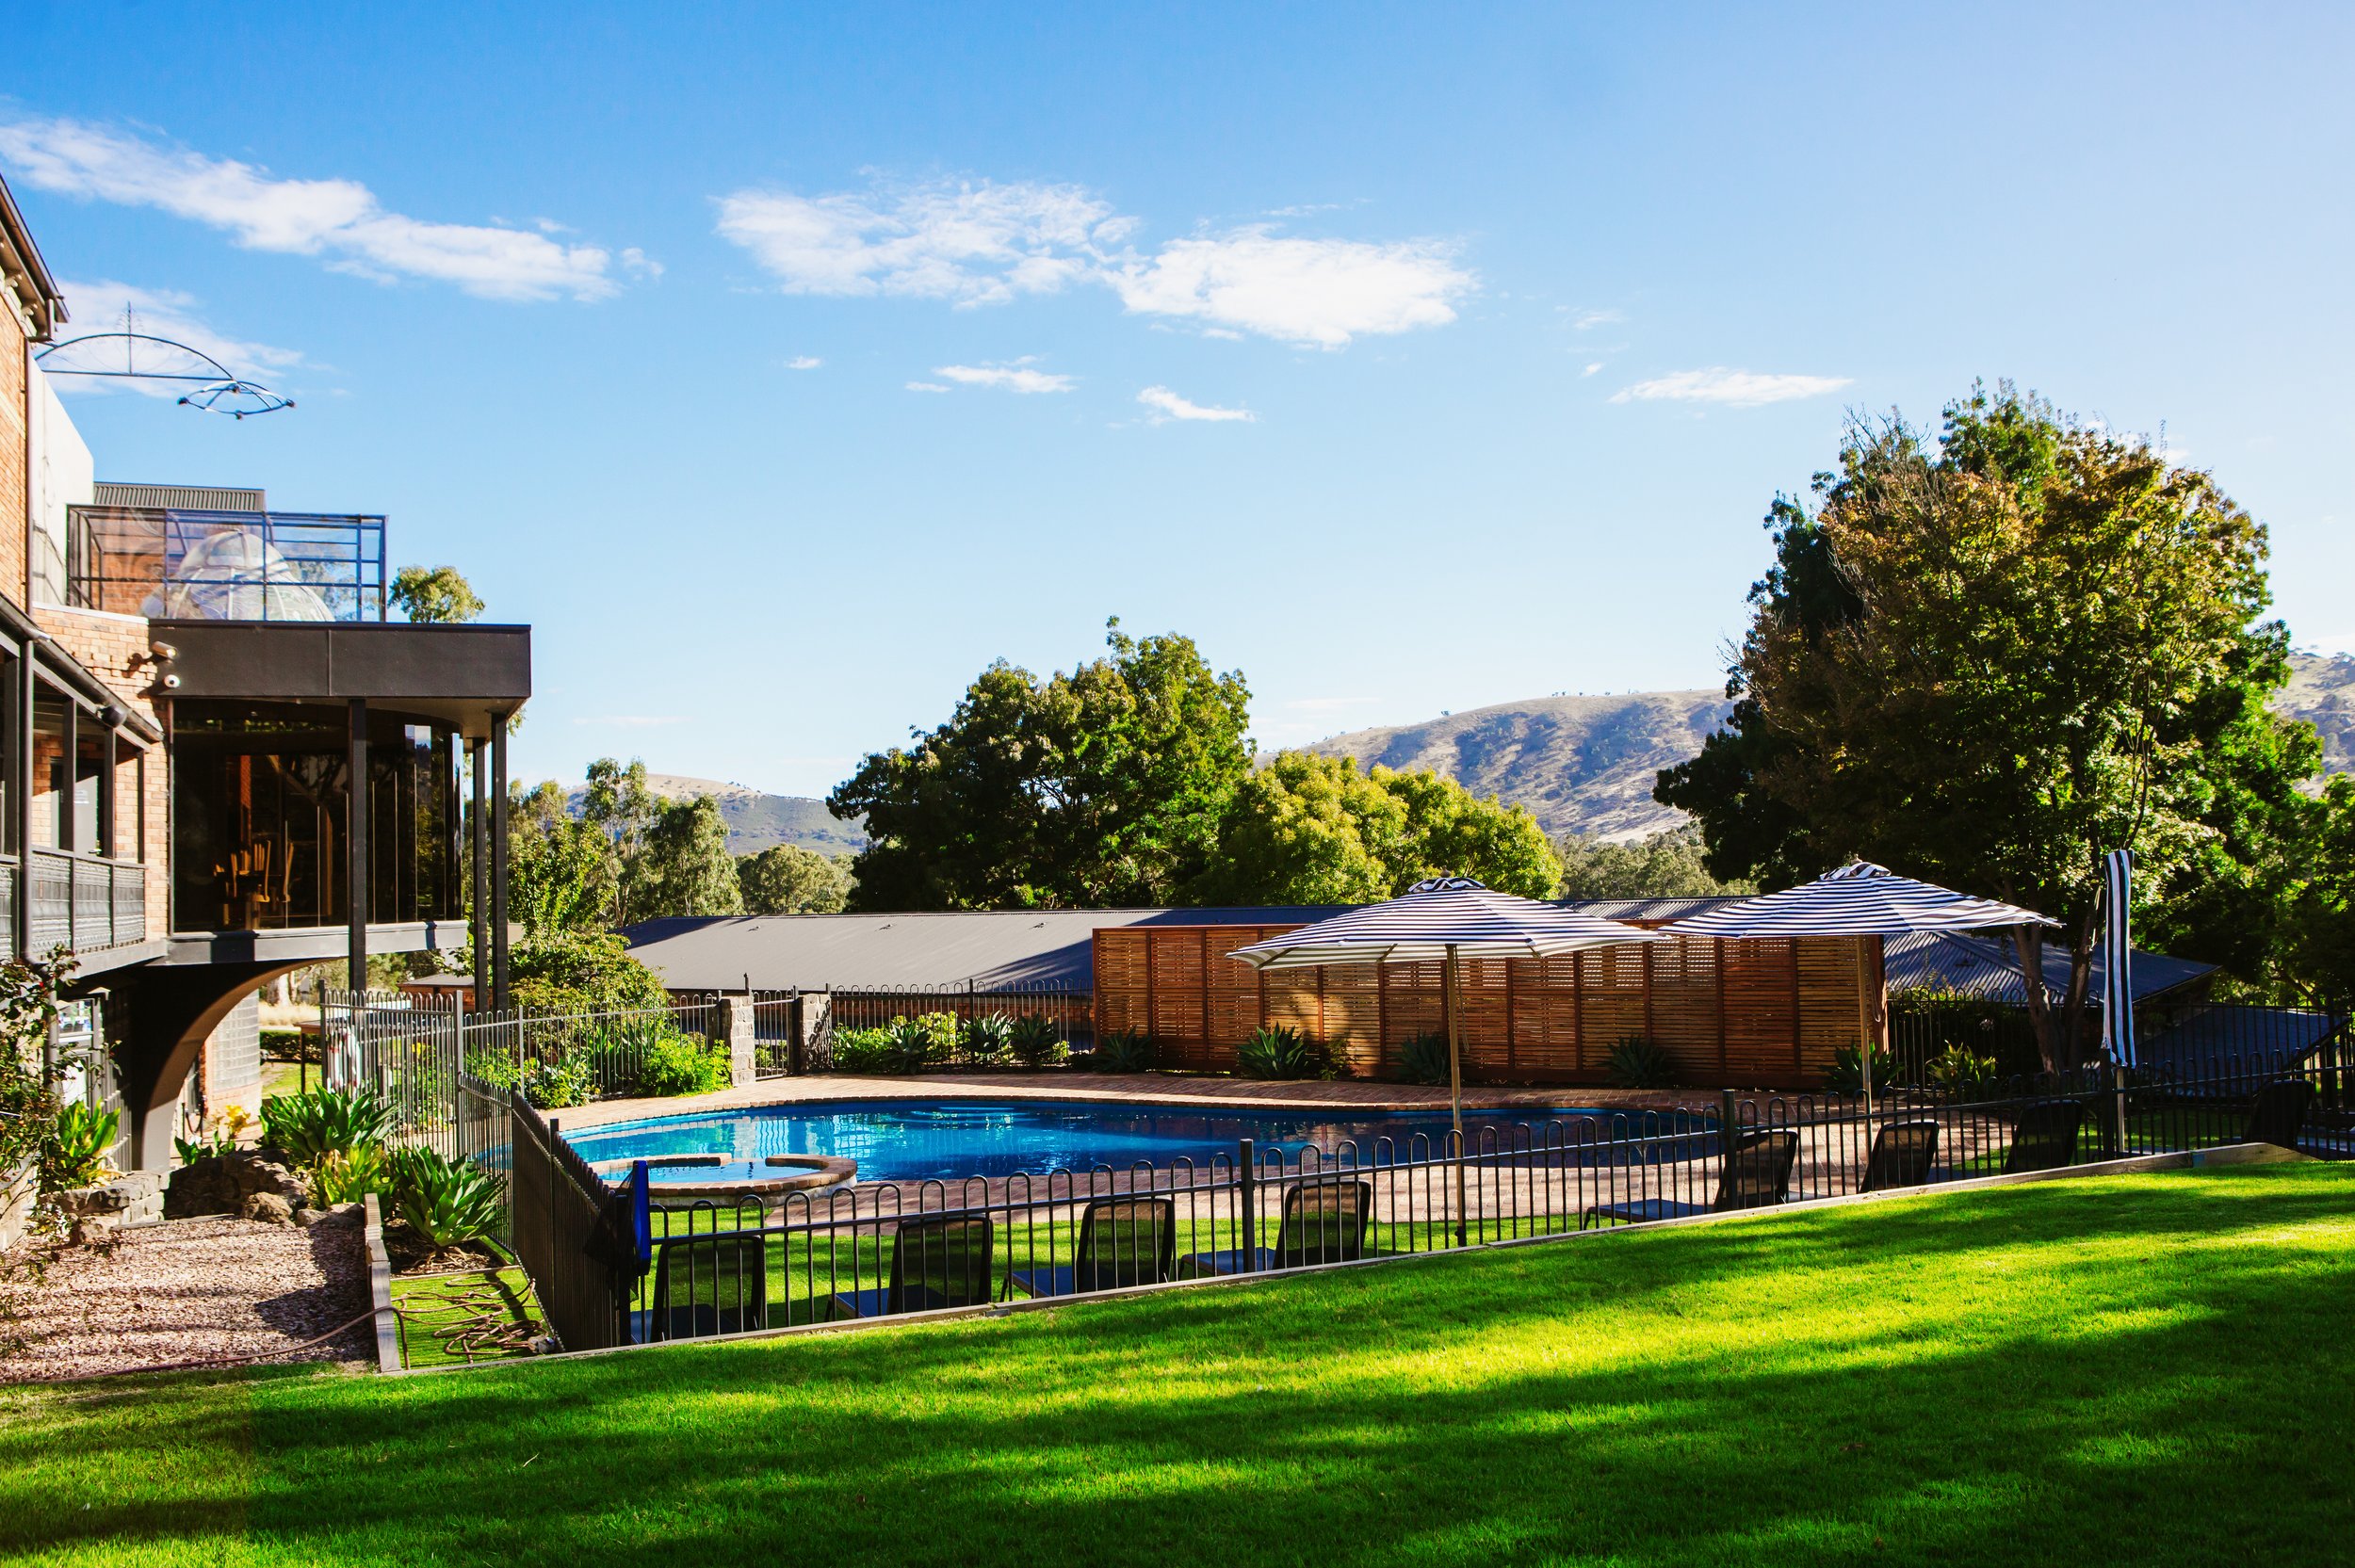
219 760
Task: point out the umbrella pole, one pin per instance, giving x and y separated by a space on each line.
1866 1032
1450 971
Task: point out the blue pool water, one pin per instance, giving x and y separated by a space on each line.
917 1141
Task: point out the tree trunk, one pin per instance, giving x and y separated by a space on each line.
2028 942
2080 981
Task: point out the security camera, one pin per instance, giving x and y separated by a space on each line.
171 683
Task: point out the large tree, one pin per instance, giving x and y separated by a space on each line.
785 878
683 866
1101 786
1667 864
1313 829
1988 658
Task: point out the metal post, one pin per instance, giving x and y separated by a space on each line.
1866 983
1248 1202
356 910
478 913
1448 978
20 721
498 860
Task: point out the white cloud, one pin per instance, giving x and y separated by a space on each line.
927 386
1738 389
339 219
1310 291
1592 367
1016 377
804 361
99 306
976 242
1167 405
973 243
1586 321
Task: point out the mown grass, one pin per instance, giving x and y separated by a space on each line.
463 1319
2144 1369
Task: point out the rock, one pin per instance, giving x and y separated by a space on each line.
88 1202
268 1207
221 1184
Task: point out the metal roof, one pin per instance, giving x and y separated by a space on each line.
109 492
1054 949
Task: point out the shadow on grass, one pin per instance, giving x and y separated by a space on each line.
2147 1369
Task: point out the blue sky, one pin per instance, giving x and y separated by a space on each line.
783 368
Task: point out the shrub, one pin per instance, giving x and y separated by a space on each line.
496 1067
309 1126
1847 1073
1124 1051
1423 1058
1960 1073
446 1202
678 1063
74 1148
571 1080
924 1041
864 1051
1638 1062
350 1175
1037 1041
1280 1053
290 1045
988 1040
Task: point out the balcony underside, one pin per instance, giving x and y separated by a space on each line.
310 944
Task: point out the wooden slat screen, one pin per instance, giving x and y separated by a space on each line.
1763 1014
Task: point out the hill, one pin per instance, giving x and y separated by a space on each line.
756 820
1586 764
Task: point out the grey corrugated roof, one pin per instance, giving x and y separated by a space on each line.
1052 948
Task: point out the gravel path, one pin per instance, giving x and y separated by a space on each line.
193 1289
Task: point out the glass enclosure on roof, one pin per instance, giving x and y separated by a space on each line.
260 803
179 564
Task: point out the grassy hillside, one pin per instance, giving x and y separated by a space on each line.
1586 764
756 821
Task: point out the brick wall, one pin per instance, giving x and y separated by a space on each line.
114 648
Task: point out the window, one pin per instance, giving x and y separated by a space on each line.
52 722
93 803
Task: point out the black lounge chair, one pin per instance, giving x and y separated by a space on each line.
1902 1154
2046 1137
2280 1113
1324 1221
1757 1176
709 1284
937 1261
1122 1241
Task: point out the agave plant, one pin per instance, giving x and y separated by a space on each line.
1846 1075
348 1175
73 1151
1278 1053
1124 1051
1640 1062
309 1126
1037 1041
916 1043
1423 1058
1959 1073
988 1040
446 1202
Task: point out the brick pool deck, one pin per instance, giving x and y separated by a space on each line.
1162 1089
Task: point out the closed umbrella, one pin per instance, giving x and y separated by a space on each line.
1859 899
1441 920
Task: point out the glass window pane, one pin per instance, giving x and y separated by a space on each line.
90 778
49 770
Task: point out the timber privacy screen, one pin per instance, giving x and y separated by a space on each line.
1765 1013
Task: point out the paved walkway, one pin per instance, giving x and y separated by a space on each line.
1169 1089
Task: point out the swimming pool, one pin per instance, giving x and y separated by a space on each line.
918 1140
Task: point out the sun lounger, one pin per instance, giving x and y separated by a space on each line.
709 1284
1122 1241
1324 1221
1902 1155
937 1261
1757 1175
2280 1114
2046 1137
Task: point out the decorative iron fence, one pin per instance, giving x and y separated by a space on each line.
723 1265
570 1233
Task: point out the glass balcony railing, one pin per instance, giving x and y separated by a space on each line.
172 564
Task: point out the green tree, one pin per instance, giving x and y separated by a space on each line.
785 878
1987 659
621 810
683 866
1667 864
560 877
1102 786
1313 829
2316 956
436 595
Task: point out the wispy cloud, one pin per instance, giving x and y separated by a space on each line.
1737 388
978 242
1587 320
1014 376
339 219
1593 367
804 361
99 307
633 720
1167 405
927 386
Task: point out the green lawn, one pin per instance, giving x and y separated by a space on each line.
2139 1369
465 1318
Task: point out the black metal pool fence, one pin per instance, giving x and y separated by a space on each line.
616 1263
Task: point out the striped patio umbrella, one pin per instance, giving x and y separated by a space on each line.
1441 920
1438 921
1858 900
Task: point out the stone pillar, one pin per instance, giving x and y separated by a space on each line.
813 1018
736 1027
